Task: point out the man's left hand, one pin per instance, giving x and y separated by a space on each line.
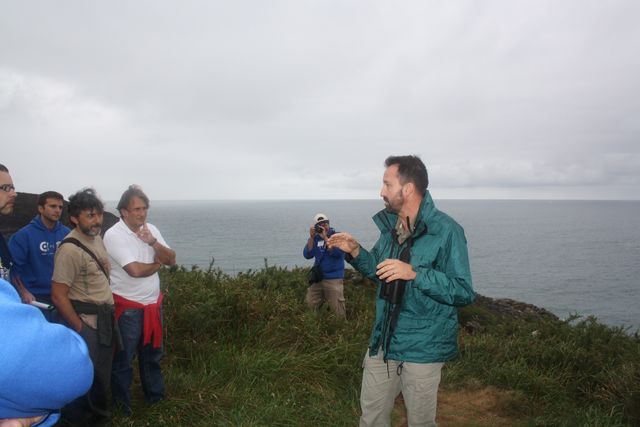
394 269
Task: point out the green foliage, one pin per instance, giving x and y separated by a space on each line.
245 351
569 373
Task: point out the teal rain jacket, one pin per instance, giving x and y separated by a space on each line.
426 327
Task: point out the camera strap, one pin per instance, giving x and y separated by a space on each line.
87 250
392 313
322 253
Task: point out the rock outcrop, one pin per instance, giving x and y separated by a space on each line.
485 313
512 309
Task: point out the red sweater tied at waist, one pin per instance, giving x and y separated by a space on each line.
152 324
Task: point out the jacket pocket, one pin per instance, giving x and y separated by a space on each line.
426 331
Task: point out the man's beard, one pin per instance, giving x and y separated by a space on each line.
91 231
51 218
395 206
7 209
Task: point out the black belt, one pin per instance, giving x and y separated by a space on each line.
108 329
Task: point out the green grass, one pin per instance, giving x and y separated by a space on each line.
245 351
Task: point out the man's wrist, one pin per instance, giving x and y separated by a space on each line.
153 242
354 253
349 256
78 327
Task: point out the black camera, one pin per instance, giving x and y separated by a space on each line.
319 229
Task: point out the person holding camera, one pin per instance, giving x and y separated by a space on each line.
421 267
327 274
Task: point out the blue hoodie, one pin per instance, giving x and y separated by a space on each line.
33 248
43 365
331 260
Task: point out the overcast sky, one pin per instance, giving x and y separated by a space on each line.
305 99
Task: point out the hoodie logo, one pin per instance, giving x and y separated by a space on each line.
47 248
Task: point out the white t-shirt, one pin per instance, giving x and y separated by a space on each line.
125 247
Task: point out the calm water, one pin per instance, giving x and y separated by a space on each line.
567 256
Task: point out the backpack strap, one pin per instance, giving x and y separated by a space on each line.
87 250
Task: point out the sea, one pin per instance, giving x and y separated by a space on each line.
569 257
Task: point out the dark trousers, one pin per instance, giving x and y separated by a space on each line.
93 409
52 314
131 324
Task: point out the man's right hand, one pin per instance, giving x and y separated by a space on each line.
79 325
26 296
345 242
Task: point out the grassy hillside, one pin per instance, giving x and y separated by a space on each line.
244 351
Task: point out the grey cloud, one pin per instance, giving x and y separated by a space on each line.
534 96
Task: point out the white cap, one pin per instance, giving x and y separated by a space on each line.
320 217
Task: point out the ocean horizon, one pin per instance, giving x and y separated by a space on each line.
568 256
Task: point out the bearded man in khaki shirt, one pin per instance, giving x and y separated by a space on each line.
81 293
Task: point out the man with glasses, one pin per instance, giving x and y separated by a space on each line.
328 286
7 200
33 248
137 251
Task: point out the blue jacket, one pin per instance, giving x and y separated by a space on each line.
33 248
425 327
43 365
331 260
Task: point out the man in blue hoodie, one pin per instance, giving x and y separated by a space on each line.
33 248
330 263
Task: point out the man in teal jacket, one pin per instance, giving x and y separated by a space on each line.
421 267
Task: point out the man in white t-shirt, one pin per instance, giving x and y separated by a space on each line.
137 251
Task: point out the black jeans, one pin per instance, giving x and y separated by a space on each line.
93 409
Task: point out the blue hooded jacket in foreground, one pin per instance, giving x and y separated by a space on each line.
43 365
331 260
33 248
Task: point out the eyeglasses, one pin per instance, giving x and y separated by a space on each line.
7 188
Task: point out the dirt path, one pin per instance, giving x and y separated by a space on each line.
465 408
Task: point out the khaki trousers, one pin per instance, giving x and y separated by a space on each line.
329 290
381 384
